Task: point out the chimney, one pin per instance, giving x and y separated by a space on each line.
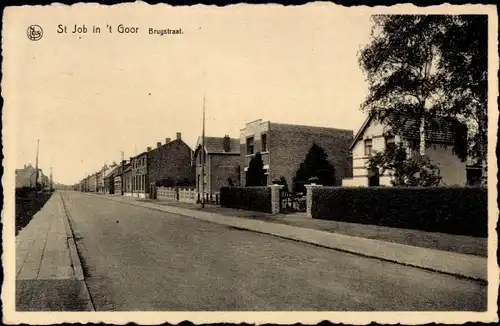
179 136
226 144
158 144
148 149
167 140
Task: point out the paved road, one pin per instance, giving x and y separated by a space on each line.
142 259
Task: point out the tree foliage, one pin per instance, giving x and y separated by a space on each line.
256 174
413 171
315 165
424 67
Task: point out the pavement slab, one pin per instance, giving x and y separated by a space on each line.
45 278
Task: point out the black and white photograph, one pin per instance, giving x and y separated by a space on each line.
249 163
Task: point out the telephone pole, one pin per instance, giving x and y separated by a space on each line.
203 157
36 167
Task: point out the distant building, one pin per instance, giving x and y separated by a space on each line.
92 182
127 179
118 177
284 146
222 158
26 177
140 174
170 164
109 179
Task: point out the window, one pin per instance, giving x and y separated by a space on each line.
250 145
264 142
368 147
390 141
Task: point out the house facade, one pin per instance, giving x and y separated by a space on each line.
92 182
139 174
127 179
118 177
170 163
284 146
109 179
221 162
372 137
26 177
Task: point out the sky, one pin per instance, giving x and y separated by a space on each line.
88 97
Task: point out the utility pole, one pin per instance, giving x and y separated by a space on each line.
36 167
203 157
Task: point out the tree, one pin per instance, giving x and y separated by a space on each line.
465 79
413 73
315 164
413 171
256 175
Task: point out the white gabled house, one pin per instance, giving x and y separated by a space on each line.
371 138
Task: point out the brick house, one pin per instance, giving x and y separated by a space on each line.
284 147
92 182
139 174
109 179
127 179
26 176
170 163
375 137
118 177
222 157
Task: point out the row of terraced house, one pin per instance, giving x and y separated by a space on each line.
174 164
282 146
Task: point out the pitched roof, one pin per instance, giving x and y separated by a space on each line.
216 145
411 130
110 171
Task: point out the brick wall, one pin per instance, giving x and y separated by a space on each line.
289 144
170 160
222 166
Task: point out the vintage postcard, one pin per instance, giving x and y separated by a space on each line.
249 163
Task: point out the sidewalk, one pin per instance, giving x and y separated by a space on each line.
45 273
408 247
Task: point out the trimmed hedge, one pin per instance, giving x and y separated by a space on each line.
453 210
247 198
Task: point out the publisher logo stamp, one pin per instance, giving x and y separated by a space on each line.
34 32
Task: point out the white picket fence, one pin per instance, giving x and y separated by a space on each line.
186 195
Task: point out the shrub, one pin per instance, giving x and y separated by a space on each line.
248 198
316 166
256 174
454 210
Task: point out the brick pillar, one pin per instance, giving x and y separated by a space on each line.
309 200
275 198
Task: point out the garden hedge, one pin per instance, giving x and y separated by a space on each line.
248 198
453 210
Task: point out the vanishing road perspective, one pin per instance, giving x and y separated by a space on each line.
139 257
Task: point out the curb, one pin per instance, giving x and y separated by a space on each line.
476 276
75 258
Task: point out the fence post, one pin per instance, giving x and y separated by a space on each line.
309 200
275 198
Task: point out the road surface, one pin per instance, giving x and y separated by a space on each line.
137 258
